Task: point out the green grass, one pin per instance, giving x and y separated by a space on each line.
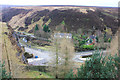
36 74
109 15
46 48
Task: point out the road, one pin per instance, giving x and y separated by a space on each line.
47 54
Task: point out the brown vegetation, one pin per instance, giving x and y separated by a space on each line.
74 17
114 45
12 63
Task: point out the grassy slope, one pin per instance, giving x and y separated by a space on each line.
40 22
13 64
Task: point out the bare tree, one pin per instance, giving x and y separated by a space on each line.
66 54
54 62
62 57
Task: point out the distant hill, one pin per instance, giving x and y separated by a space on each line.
74 17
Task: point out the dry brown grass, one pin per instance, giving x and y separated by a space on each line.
0 41
114 45
12 63
19 19
40 22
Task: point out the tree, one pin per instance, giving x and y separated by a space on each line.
54 64
36 27
98 67
91 40
97 40
46 28
63 22
66 54
62 60
4 73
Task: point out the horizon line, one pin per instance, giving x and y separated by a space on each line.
58 5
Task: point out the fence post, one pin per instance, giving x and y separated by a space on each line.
119 52
119 42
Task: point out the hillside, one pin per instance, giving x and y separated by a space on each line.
74 17
13 63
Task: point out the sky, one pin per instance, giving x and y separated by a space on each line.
106 3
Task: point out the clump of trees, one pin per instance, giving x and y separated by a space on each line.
43 32
80 43
98 67
46 28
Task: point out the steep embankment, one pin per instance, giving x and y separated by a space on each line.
12 63
9 51
74 17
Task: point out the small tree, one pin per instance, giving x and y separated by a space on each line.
36 29
54 63
97 40
63 23
66 54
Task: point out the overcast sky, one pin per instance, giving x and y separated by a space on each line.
109 3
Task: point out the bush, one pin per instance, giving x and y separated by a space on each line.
109 40
89 47
98 67
4 73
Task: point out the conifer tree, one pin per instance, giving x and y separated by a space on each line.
46 28
98 67
36 27
63 23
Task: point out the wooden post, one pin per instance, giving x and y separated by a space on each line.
119 42
119 52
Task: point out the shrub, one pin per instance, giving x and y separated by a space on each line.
4 73
89 47
98 67
109 40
